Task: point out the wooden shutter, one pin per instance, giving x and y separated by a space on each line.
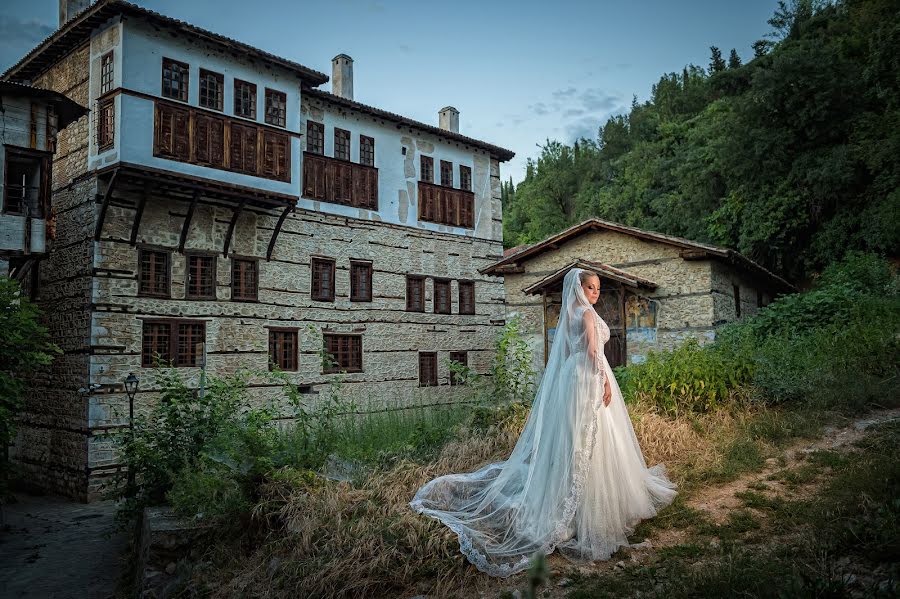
314 177
341 183
276 156
466 297
441 297
466 210
172 134
209 140
427 369
243 154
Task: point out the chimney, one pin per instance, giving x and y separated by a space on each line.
448 119
70 8
342 76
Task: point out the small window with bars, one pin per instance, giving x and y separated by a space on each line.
428 369
244 280
175 79
462 359
200 281
315 137
322 279
426 164
106 123
466 297
153 273
366 150
441 296
465 177
446 173
276 107
341 144
343 353
106 72
360 281
415 294
283 349
212 90
175 342
244 99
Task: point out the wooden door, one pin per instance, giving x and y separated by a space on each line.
611 308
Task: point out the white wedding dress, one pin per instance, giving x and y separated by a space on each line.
576 480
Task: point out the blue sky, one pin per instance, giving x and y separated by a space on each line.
519 72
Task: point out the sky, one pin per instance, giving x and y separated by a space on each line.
519 72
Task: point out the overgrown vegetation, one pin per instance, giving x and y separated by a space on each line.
24 348
792 157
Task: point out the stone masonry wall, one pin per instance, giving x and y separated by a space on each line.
685 304
51 444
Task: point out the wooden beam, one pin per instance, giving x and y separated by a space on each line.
103 207
137 217
546 341
276 231
187 221
234 218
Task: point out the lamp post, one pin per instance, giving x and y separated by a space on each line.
131 386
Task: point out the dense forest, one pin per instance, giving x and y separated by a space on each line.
792 157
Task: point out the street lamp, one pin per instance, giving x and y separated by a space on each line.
131 386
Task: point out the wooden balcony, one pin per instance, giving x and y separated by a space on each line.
446 205
339 182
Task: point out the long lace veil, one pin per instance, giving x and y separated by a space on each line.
506 511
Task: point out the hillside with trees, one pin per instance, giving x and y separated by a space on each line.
792 158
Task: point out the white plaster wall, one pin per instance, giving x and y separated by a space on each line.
398 175
141 71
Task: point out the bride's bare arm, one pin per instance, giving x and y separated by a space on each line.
594 349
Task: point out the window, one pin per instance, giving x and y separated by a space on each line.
466 297
212 90
322 280
209 140
243 153
465 178
244 280
427 169
428 369
244 99
153 276
737 300
181 343
200 281
341 144
26 189
106 123
366 150
283 349
171 132
106 72
276 156
446 173
315 137
344 353
446 205
276 107
339 182
462 358
174 80
360 281
415 294
441 296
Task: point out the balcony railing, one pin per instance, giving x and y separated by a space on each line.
339 182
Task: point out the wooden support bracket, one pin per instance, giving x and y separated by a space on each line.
276 231
231 225
107 196
187 221
137 217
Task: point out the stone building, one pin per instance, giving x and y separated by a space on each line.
655 290
30 119
216 208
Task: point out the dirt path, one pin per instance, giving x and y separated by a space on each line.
716 502
54 547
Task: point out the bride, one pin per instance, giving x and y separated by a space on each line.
576 480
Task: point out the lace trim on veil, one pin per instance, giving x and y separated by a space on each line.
560 526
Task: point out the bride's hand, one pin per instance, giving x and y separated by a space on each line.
607 395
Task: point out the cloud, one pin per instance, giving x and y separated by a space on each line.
406 49
539 109
18 37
